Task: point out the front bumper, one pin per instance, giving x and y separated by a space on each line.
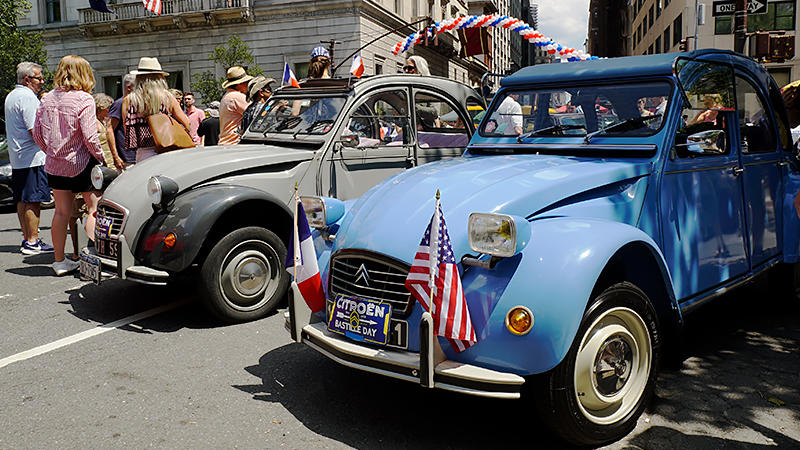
403 365
124 268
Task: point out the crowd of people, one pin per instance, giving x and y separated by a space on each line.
56 138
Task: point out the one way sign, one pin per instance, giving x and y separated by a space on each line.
727 7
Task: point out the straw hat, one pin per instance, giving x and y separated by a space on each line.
236 75
258 83
148 66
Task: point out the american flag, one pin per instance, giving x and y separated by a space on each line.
154 6
434 270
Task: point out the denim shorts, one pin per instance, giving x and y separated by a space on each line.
30 185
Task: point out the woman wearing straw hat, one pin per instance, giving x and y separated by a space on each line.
232 105
150 96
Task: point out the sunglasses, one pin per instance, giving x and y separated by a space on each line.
409 68
41 79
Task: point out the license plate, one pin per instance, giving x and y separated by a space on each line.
89 268
102 227
107 247
398 330
360 319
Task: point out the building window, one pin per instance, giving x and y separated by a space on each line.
639 34
640 4
650 17
52 11
379 62
677 30
112 86
779 16
666 3
635 10
650 49
397 7
658 44
658 8
666 40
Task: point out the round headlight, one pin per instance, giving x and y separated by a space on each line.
97 177
519 320
154 190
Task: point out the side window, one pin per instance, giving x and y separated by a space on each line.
381 119
708 87
755 126
438 122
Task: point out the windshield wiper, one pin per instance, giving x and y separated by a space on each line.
639 122
312 126
555 128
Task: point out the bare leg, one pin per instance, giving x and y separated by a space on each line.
23 224
63 212
32 212
91 198
73 232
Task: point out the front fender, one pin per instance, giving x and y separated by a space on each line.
554 277
191 216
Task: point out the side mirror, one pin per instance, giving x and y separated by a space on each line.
350 140
709 142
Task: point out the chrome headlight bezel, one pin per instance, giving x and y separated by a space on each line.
498 235
97 177
321 212
161 190
154 190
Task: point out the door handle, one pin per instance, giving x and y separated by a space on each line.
736 171
783 163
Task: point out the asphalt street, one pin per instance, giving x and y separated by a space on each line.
173 377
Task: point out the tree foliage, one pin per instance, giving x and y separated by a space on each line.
234 52
16 45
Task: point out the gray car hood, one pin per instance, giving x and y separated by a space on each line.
196 165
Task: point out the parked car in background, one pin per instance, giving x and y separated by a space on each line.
6 197
219 215
579 254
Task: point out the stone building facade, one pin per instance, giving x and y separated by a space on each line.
275 30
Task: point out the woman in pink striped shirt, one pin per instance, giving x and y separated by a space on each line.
66 129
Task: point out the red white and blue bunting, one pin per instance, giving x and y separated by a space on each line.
494 20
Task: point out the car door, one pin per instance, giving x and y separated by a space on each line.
380 144
761 155
702 217
442 129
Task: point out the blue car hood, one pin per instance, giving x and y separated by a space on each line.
391 218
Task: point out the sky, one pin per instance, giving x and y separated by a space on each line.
564 21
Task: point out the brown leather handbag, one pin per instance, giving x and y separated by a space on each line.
168 133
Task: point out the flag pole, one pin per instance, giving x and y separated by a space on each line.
296 240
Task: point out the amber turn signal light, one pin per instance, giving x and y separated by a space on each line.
519 320
169 240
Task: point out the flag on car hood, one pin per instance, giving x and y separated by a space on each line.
302 256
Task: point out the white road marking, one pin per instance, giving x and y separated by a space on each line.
55 345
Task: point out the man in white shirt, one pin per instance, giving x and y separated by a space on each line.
510 113
28 178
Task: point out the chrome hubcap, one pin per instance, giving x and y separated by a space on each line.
613 366
250 275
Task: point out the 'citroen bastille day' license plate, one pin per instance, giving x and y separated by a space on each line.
360 319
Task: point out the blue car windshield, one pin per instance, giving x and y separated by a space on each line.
630 109
298 116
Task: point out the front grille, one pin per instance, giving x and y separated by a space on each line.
371 276
117 216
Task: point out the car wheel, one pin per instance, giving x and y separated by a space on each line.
598 392
243 276
50 203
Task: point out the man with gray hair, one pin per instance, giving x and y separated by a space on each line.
28 178
115 133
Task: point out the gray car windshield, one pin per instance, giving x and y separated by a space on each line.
630 109
298 116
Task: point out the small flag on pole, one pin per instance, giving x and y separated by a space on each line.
288 76
100 5
303 258
434 281
357 67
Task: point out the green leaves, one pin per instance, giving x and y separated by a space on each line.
16 45
234 52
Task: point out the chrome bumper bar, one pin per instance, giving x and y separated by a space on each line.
140 274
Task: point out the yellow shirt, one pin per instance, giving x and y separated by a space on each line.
101 133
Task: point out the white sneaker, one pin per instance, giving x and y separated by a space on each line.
64 267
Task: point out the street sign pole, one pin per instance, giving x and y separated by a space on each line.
739 26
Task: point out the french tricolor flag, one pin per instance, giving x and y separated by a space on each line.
289 78
357 67
303 258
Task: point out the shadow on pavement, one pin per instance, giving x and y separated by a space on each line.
33 271
363 410
743 361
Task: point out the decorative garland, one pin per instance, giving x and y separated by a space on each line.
494 20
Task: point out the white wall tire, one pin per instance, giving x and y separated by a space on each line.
600 389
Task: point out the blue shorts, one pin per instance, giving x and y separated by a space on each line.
30 185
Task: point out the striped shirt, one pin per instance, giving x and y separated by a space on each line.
66 129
